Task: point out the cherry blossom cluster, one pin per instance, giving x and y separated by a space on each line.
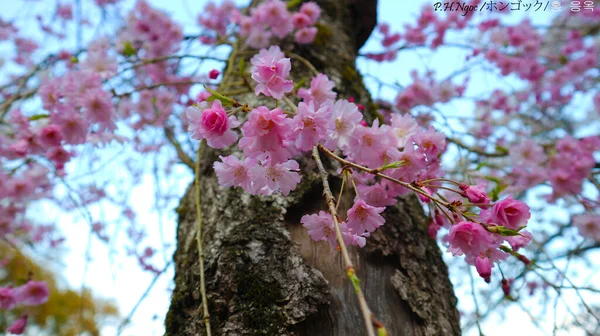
404 150
430 31
267 20
33 293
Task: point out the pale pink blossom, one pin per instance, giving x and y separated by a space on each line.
363 217
270 70
306 35
232 172
270 178
321 90
588 225
345 117
310 125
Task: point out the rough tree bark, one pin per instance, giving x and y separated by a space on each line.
266 277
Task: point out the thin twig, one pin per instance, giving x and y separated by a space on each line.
364 308
199 241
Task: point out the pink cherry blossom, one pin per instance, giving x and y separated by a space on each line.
312 10
404 127
588 225
232 172
99 108
270 70
376 195
320 227
18 327
210 122
32 293
213 74
475 194
301 20
470 238
310 126
321 90
484 268
363 217
7 298
50 136
276 177
305 35
519 241
345 117
510 213
267 135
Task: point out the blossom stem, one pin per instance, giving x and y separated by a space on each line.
364 308
199 240
377 173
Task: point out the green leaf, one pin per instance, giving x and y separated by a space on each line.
293 3
392 165
507 232
215 95
38 117
128 49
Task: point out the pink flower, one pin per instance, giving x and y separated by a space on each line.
475 194
404 126
99 109
33 293
320 227
588 225
210 122
430 142
258 38
213 74
345 117
266 135
306 35
484 268
50 136
321 90
310 126
59 156
50 94
18 327
7 298
510 213
363 217
312 10
527 152
517 242
469 238
351 238
270 178
371 146
233 172
301 20
270 70
73 127
376 195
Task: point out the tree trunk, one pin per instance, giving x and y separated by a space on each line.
265 276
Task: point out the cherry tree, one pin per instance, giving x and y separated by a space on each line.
314 206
